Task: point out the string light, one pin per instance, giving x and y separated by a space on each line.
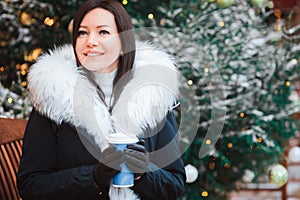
124 2
211 165
24 67
23 72
208 141
9 100
190 82
206 69
288 83
242 114
150 16
24 83
221 24
33 55
2 69
226 165
25 18
204 194
229 145
259 139
48 21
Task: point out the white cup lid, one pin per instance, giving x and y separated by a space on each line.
121 138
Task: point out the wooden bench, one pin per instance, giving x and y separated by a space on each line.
11 134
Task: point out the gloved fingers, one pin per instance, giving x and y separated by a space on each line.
137 162
141 142
137 166
109 150
137 147
115 163
116 155
132 155
110 154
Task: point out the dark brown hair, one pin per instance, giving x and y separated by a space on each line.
125 30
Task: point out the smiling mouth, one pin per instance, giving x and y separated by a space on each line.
93 54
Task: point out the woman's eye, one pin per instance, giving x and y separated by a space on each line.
82 33
103 32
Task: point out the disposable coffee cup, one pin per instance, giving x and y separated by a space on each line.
125 178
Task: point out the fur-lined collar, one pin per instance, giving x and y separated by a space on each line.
60 91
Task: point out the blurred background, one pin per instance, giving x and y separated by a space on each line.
252 44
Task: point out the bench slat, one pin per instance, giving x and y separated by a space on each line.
11 134
8 179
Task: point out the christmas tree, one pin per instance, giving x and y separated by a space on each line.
237 73
27 28
245 117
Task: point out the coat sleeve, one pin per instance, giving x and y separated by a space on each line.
38 178
165 178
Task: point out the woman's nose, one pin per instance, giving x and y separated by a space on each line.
93 40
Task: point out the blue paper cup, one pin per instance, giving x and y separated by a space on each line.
125 178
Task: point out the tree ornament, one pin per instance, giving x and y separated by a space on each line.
191 173
248 176
278 175
294 153
225 3
260 3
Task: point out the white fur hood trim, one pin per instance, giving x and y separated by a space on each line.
59 91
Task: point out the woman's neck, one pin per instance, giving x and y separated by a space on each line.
105 82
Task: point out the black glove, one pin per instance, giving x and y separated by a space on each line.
108 166
137 158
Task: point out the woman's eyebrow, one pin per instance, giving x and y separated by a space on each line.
99 26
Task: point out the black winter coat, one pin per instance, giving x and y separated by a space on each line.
56 165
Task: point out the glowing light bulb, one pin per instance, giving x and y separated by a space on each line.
259 139
204 193
24 83
9 100
150 16
48 21
190 82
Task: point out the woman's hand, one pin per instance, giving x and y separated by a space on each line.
108 166
137 158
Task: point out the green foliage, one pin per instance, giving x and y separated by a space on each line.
257 68
24 28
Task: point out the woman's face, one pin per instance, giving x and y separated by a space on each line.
98 45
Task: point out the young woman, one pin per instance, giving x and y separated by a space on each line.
106 82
